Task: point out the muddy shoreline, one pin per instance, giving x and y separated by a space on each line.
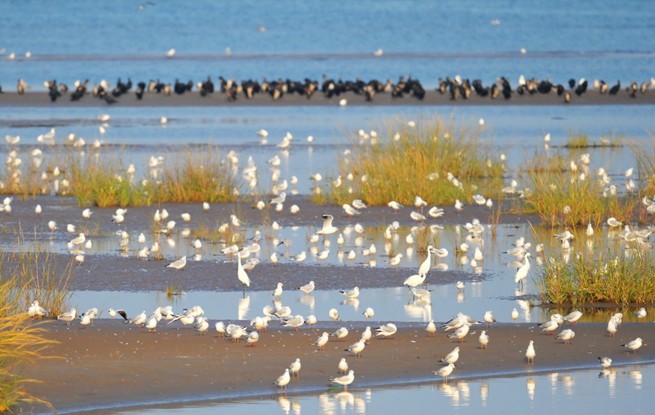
111 363
432 98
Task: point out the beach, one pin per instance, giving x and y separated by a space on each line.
111 364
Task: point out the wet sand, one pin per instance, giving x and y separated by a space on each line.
219 272
113 364
432 98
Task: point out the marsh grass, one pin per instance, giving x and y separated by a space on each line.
422 160
578 141
40 279
21 342
645 157
582 141
196 178
606 278
560 196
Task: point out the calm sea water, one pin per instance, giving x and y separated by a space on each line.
478 39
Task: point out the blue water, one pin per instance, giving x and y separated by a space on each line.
617 390
108 39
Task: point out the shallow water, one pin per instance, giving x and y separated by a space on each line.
133 135
615 391
106 39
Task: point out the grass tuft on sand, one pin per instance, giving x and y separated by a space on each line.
437 160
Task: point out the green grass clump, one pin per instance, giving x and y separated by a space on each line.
197 178
613 279
578 141
561 196
437 161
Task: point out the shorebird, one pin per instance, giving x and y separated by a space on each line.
369 313
334 314
178 264
460 333
431 328
322 340
327 228
445 371
308 288
612 326
605 362
530 353
139 319
357 348
294 368
340 333
252 339
633 345
641 313
565 335
367 334
386 330
295 321
414 281
277 293
35 310
425 266
68 316
573 316
344 380
242 275
354 293
113 313
483 339
343 365
522 272
451 357
284 379
489 317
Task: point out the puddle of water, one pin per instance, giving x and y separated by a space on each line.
615 391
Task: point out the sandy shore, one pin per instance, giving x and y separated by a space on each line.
111 363
41 99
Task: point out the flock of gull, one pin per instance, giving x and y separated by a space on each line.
470 241
457 329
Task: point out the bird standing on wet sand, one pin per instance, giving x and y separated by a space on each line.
451 357
386 330
308 288
633 345
178 264
483 339
565 335
445 371
344 380
322 341
530 353
357 348
68 316
294 368
284 379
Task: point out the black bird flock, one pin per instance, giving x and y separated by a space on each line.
454 88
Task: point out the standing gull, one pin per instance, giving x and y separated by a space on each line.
178 264
445 371
345 380
530 353
284 379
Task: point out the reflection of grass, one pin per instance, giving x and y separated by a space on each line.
421 160
172 291
21 342
618 280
